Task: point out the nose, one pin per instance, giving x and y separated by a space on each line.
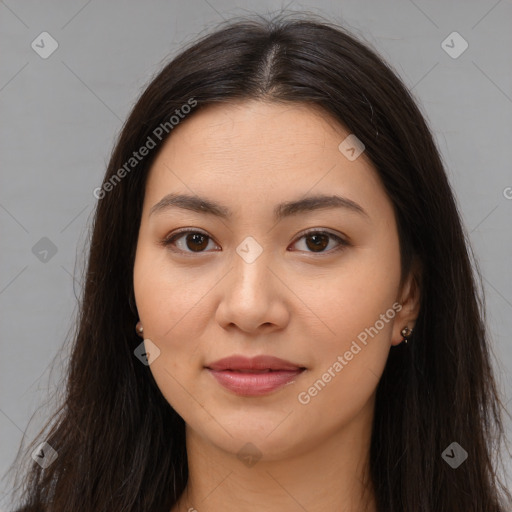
253 297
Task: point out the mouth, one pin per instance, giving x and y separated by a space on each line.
258 364
254 377
255 384
254 372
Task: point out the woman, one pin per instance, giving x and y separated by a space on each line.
279 310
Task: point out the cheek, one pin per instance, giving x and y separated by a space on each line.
173 308
167 302
168 297
354 298
357 315
351 354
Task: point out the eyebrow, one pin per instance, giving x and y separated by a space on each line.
282 210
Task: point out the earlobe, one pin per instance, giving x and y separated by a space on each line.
404 335
406 332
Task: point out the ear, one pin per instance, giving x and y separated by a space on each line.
409 299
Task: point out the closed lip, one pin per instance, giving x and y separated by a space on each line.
258 363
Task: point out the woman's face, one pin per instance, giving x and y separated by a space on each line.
249 281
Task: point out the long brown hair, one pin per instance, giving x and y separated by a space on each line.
121 446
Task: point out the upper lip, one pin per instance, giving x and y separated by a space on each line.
263 362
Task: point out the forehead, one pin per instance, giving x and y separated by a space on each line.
261 151
265 127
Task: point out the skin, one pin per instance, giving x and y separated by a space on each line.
294 302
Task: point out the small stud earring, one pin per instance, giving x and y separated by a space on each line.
139 328
406 333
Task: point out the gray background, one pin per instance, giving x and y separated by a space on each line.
60 115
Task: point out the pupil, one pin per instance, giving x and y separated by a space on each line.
196 237
318 244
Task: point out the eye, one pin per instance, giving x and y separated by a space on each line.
319 240
197 241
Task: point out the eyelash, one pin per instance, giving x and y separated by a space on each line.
169 240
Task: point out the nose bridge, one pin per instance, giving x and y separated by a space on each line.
250 297
250 268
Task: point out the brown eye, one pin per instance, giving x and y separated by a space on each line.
196 241
188 241
318 241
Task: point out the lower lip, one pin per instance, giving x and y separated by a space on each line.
254 384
